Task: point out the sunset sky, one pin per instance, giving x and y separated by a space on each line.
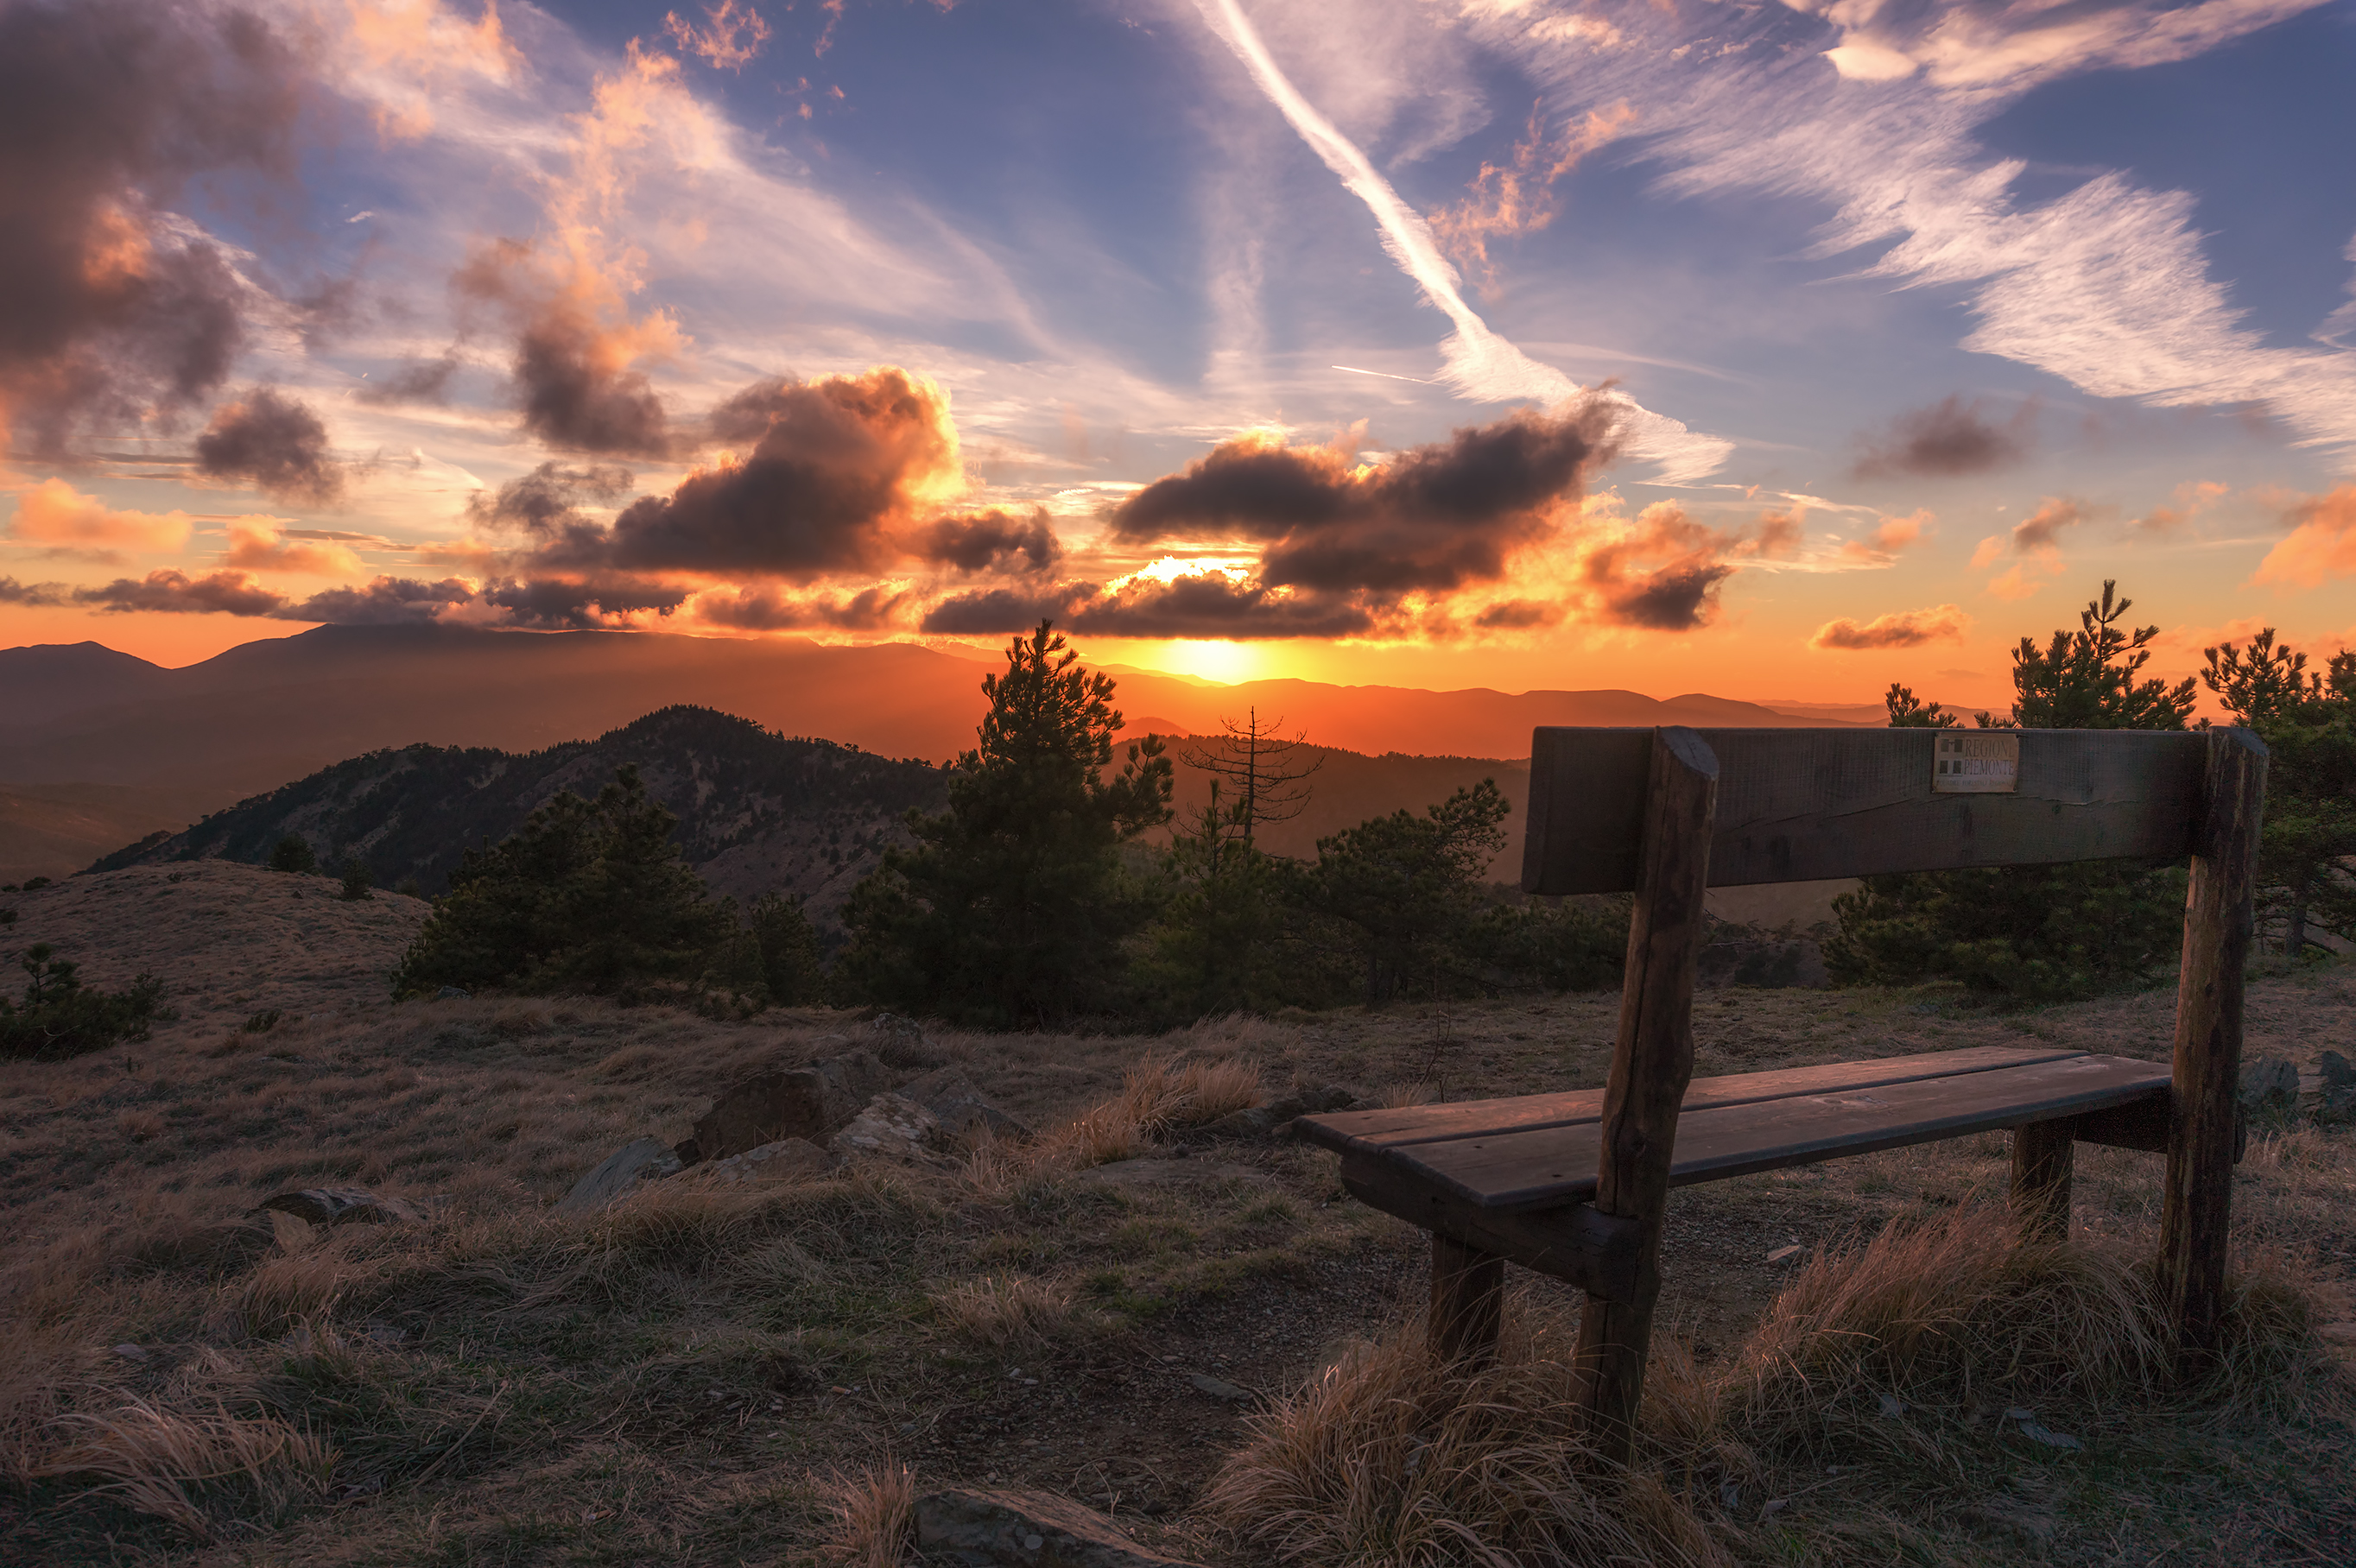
1773 350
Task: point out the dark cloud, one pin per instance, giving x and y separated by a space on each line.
573 380
1517 615
546 501
107 108
1673 599
1202 605
423 382
766 610
981 611
839 469
2041 530
1663 572
174 593
994 541
388 600
31 594
563 604
1897 629
1949 438
1434 518
274 442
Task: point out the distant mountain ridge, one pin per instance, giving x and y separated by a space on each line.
759 812
268 711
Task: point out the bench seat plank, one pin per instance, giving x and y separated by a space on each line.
1547 1167
1355 1131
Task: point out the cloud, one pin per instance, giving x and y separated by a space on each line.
547 500
174 593
261 544
563 604
1476 362
1892 536
116 308
839 469
1434 518
63 520
994 541
2041 530
388 600
2322 543
1897 629
766 610
1519 198
1950 437
32 595
275 442
732 35
420 381
576 350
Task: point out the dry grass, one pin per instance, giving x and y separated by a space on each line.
165 1463
1005 1311
874 1512
1386 1457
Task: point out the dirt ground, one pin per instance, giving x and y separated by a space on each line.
680 1382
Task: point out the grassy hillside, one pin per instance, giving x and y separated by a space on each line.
1119 1312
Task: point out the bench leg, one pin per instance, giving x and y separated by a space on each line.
2042 1153
1468 1298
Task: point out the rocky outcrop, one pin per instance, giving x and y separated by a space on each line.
345 1206
960 1106
1266 1121
892 1127
640 1159
787 1160
812 1102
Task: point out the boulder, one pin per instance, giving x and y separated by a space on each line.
893 1127
813 1103
961 1105
1265 1121
2269 1088
978 1528
227 1245
901 1042
345 1206
787 1160
2335 1098
640 1159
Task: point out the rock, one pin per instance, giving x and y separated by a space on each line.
453 994
132 1352
1774 965
901 1042
893 1127
345 1206
978 1529
814 1102
787 1160
640 1159
1266 1121
687 1150
961 1105
227 1245
1218 1388
2269 1087
2336 1101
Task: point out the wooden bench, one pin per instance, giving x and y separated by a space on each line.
1574 1185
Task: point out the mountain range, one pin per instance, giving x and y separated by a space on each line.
87 723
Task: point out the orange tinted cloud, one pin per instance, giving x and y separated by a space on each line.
1519 198
409 49
1897 629
732 35
55 514
260 544
2322 543
1882 545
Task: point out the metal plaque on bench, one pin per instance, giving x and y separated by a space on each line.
1976 764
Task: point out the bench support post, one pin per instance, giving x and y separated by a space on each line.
2043 1154
1652 1062
1468 1300
2218 920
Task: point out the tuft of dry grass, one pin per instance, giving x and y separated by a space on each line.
1388 1457
1003 1310
163 1462
875 1510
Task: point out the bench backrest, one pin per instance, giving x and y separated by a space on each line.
1808 805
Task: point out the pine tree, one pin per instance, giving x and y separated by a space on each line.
1405 889
1013 905
2307 720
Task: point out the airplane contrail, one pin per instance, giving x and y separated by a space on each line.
1386 374
1476 362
